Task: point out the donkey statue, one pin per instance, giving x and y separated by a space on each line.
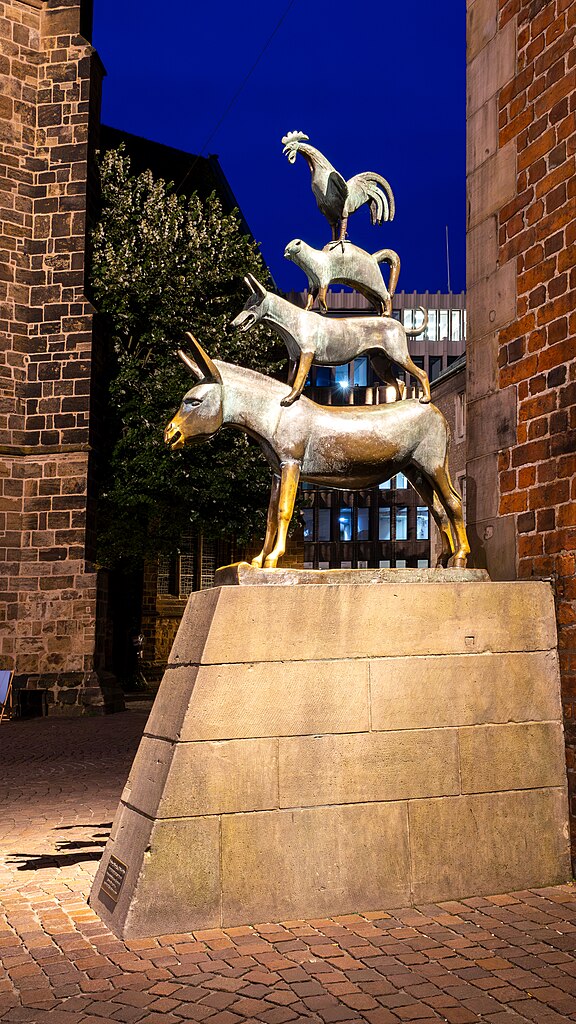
312 338
346 447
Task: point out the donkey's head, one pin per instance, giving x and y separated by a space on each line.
256 305
200 414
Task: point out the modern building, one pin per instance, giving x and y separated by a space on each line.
386 526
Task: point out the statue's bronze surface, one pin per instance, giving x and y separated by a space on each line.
312 338
336 197
347 447
349 265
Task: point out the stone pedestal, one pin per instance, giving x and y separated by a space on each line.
328 748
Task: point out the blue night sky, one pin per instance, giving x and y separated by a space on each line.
377 87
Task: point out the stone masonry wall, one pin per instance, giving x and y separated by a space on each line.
522 304
49 105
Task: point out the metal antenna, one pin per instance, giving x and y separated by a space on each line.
448 259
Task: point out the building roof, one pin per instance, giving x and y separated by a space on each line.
456 367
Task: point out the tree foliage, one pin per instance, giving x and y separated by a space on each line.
163 264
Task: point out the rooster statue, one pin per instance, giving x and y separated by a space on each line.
338 198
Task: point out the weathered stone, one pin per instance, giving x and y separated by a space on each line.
502 757
492 423
496 842
492 300
491 184
382 766
242 574
312 862
492 67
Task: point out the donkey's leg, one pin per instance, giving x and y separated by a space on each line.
288 488
271 522
452 502
424 488
306 360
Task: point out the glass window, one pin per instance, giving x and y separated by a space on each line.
345 565
383 524
401 481
423 563
401 522
455 325
385 486
443 325
384 563
308 523
400 563
431 332
345 523
419 362
308 565
362 524
360 372
324 531
323 376
323 565
422 522
362 563
463 325
435 367
342 379
408 318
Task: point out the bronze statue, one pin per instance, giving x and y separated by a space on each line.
312 338
347 447
346 265
338 198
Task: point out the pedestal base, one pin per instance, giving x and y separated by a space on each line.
324 749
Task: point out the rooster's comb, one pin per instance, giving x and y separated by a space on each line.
293 138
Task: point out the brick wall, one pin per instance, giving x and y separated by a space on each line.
522 303
49 107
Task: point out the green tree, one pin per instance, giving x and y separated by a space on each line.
163 264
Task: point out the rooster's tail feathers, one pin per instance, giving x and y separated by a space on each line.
376 191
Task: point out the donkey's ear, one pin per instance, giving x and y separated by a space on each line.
255 286
192 366
207 368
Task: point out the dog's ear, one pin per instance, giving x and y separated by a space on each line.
255 286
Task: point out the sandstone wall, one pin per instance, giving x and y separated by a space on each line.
49 107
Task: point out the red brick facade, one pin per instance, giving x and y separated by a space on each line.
522 292
50 93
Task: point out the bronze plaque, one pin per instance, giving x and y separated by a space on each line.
114 878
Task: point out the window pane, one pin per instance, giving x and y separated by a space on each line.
385 486
323 565
324 532
443 333
384 524
384 563
342 376
308 524
431 332
362 523
362 563
400 563
402 523
423 563
408 318
345 565
422 523
456 332
435 367
345 523
163 584
323 376
401 481
360 372
308 565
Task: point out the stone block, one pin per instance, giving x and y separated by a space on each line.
458 690
492 540
482 367
491 302
381 766
503 757
314 862
492 422
482 251
173 876
492 184
481 25
492 67
341 627
495 842
262 699
188 779
482 493
482 136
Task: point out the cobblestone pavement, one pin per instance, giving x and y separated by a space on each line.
504 960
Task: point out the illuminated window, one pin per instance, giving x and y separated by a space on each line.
345 523
362 563
456 329
385 486
401 482
422 523
423 563
308 523
324 531
384 524
400 563
362 524
443 325
384 563
401 522
360 372
342 378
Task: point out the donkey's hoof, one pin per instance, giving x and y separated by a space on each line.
256 563
459 563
